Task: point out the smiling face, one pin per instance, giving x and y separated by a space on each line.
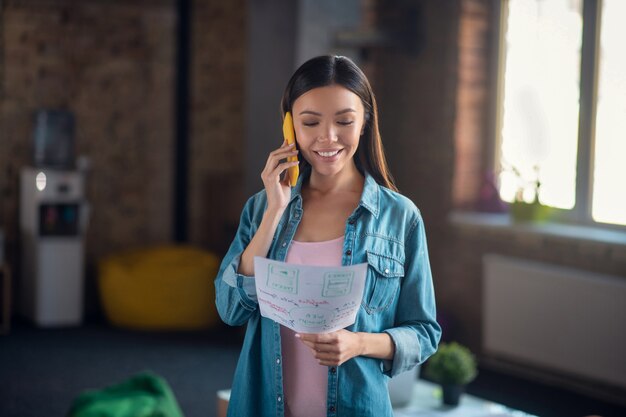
328 122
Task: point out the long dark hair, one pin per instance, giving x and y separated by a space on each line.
340 70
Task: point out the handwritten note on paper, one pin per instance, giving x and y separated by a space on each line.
309 299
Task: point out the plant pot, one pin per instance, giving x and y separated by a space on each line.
452 393
529 212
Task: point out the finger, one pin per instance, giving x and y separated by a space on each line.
326 337
282 167
309 337
312 349
329 363
321 342
283 148
274 160
273 171
316 347
310 344
316 342
284 144
327 348
329 357
283 152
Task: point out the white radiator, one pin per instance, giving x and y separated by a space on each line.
555 318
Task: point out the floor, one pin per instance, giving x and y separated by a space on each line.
42 371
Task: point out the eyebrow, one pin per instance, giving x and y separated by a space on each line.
348 110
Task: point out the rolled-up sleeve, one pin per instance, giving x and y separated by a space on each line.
416 333
235 294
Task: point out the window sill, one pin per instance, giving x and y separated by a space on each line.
498 221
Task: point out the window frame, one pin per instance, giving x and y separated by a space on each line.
581 213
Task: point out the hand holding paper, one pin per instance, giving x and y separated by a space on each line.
309 299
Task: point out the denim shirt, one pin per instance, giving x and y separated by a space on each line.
386 231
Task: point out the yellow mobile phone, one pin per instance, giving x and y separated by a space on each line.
290 137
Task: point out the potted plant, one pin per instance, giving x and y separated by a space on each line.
453 366
526 206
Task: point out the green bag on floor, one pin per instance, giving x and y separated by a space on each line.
142 395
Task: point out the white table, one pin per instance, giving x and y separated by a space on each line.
426 402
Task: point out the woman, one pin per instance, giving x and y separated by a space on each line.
343 210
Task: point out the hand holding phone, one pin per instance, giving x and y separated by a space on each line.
290 137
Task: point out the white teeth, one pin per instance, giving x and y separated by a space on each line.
327 154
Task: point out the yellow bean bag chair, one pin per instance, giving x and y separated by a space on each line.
160 288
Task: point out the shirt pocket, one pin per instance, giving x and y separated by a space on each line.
383 281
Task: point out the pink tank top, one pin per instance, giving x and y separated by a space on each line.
305 381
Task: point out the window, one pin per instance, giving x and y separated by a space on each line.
562 107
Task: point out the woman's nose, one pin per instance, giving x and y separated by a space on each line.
328 134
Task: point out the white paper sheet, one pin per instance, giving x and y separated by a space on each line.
309 299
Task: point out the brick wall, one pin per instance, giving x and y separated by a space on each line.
472 133
112 63
217 121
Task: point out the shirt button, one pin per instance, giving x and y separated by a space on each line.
386 270
297 215
280 398
284 244
331 408
333 370
278 361
348 252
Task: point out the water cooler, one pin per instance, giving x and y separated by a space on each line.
53 221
